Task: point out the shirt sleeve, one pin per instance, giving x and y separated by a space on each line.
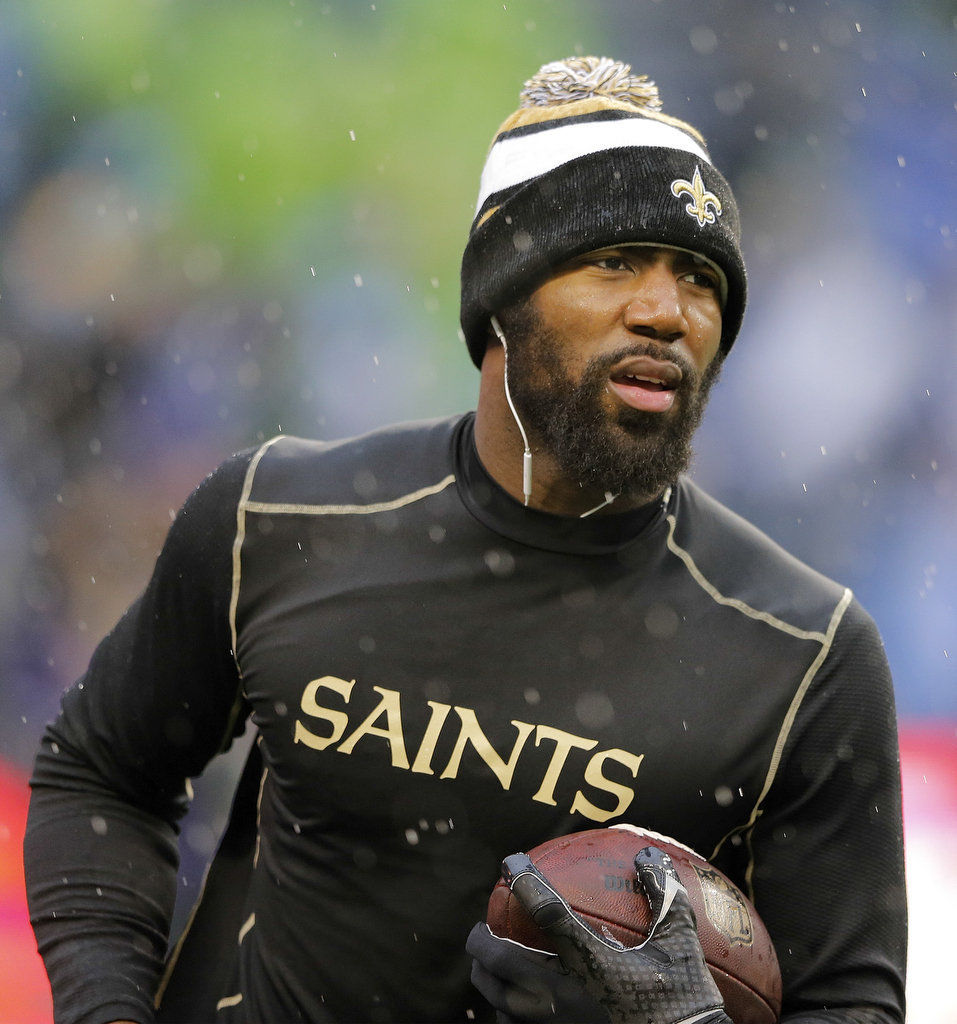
828 877
160 698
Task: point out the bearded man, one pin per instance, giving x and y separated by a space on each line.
460 638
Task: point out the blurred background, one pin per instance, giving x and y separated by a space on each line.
219 221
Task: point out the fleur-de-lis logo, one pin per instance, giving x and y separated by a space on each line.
700 197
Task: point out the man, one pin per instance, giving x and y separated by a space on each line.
459 638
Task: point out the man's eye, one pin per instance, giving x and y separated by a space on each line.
610 262
702 279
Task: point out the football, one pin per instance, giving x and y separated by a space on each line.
594 871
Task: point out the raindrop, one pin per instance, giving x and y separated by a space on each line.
364 483
594 710
522 241
98 824
499 562
723 796
703 40
661 620
728 101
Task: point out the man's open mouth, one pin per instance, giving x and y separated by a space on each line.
645 383
649 383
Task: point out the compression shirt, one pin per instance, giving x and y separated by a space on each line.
440 677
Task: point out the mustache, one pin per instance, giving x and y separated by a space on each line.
599 367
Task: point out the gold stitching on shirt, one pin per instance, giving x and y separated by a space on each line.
836 616
259 807
733 602
281 508
237 573
247 927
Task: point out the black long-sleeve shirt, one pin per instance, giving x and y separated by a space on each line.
440 677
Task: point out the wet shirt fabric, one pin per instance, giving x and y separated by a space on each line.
440 677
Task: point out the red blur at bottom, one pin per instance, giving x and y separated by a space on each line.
929 770
24 994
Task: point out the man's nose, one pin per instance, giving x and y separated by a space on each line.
655 309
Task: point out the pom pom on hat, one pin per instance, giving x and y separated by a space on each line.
590 160
577 78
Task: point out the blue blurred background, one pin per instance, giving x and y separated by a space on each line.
222 220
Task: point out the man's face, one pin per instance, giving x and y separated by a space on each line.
611 361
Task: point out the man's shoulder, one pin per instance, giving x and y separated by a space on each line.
379 466
741 563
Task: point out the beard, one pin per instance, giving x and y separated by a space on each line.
631 453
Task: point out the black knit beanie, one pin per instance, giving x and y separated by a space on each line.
589 161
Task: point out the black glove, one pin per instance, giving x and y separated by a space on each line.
525 984
665 980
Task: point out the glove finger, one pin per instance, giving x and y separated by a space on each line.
575 941
668 899
533 890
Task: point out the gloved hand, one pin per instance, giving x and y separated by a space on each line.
525 984
665 980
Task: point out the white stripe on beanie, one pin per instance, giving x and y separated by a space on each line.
520 158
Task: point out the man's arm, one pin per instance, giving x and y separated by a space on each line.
835 803
826 854
157 702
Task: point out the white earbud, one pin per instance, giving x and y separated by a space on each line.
527 457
